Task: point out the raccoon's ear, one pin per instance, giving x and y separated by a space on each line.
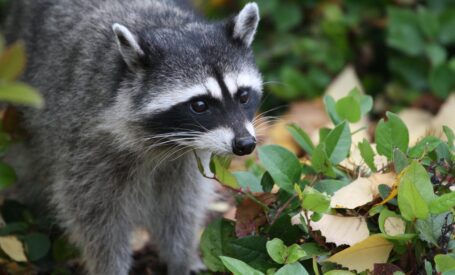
246 23
128 46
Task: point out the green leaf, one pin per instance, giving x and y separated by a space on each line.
283 229
301 137
411 203
321 162
367 154
339 272
215 242
444 263
283 166
323 133
449 134
442 81
287 16
267 182
424 146
295 253
312 250
13 228
277 250
365 101
20 93
400 161
12 62
330 107
366 104
428 268
348 108
338 143
238 267
37 245
418 175
330 186
403 31
447 24
292 269
436 53
443 203
62 250
428 22
7 176
252 250
248 181
200 166
315 201
390 135
429 229
220 169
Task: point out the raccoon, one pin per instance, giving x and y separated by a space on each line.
133 90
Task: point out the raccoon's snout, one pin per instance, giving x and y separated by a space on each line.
244 145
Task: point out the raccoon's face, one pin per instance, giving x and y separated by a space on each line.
200 87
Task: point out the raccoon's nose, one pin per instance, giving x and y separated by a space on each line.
244 145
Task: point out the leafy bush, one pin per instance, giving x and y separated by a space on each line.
24 238
394 207
12 63
403 48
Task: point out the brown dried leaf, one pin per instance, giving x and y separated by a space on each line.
385 269
250 215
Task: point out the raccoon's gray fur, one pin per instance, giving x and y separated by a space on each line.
133 89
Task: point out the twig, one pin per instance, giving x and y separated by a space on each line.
282 208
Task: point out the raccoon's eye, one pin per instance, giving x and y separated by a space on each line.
244 96
199 106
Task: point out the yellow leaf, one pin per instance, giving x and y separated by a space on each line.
13 248
339 230
353 195
12 62
363 255
394 226
394 191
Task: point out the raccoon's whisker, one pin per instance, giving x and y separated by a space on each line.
163 157
173 141
275 108
266 119
181 154
272 82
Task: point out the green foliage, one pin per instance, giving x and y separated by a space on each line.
367 154
282 254
402 48
238 267
302 138
283 166
415 213
391 134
